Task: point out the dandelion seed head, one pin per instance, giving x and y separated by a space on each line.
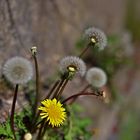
73 64
96 36
18 70
96 77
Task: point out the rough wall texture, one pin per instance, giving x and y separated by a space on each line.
53 25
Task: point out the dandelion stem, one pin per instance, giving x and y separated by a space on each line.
58 88
44 130
62 84
85 88
53 88
36 126
39 137
13 111
37 85
37 97
85 49
62 88
80 94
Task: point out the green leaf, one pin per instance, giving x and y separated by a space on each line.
5 130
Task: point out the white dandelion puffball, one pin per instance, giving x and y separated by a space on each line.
96 77
73 61
18 70
100 37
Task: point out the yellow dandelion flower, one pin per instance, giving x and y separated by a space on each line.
53 111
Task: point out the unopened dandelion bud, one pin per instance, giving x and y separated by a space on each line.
28 136
34 50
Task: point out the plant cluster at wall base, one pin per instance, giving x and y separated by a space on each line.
55 117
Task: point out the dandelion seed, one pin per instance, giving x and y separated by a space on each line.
73 64
96 36
53 111
96 77
18 70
